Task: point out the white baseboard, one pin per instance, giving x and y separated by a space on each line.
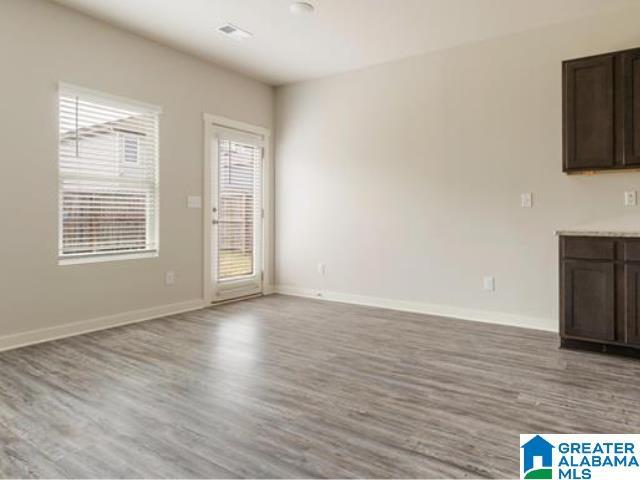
31 337
485 316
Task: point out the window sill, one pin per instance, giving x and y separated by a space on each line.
111 257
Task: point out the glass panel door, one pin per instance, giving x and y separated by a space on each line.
237 214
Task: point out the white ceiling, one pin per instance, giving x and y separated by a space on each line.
341 35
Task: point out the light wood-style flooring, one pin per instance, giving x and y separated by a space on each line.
289 387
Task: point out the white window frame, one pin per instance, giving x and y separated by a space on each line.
115 101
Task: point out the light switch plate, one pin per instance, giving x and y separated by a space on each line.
526 200
489 283
630 199
194 201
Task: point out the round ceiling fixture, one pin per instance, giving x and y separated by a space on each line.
301 8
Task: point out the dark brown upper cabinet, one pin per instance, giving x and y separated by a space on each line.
590 113
631 90
601 112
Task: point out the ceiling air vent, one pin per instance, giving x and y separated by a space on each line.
234 32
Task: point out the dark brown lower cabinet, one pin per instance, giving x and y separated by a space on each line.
632 291
589 309
600 293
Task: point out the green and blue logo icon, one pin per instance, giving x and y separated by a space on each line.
537 459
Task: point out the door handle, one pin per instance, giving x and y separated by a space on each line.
215 222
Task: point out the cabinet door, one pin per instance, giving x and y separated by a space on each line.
589 113
631 69
588 299
632 302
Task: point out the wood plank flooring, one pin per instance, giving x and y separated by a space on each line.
288 387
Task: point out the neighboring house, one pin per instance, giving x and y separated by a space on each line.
117 146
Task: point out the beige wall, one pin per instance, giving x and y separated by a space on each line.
405 178
41 44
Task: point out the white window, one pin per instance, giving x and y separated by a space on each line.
129 147
108 173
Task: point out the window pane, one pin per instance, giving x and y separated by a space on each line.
238 192
108 171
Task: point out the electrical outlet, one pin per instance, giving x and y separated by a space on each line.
322 268
489 283
170 278
526 200
630 199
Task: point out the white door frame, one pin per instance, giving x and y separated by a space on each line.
211 122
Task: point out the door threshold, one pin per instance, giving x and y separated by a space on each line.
237 299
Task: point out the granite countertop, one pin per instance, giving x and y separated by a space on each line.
624 226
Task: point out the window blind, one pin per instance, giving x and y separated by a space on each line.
108 174
239 191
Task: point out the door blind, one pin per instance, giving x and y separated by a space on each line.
108 174
239 193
